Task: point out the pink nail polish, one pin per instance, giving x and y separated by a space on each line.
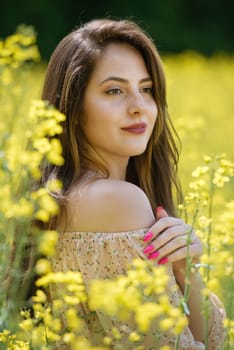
148 236
148 249
153 255
163 261
158 209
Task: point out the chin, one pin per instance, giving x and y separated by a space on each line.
138 152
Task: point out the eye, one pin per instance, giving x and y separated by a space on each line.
115 91
147 90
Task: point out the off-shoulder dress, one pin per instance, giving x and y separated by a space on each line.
99 255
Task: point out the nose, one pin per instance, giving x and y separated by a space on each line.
136 105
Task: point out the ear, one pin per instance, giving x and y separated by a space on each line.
160 213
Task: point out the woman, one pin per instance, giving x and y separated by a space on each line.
120 164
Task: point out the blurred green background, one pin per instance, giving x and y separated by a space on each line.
205 26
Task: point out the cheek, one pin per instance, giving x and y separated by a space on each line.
97 123
154 112
153 117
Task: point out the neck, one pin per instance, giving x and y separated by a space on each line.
116 171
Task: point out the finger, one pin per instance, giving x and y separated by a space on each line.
195 250
167 243
173 245
170 234
178 243
160 226
160 213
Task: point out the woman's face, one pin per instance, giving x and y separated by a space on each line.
119 110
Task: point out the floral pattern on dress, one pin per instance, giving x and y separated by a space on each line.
99 255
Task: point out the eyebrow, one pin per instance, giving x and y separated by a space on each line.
121 80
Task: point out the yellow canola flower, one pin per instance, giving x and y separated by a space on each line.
23 208
48 127
229 324
116 333
54 185
107 340
19 38
146 313
69 338
42 215
38 336
26 54
180 324
207 159
197 185
136 296
42 145
219 180
34 160
39 310
134 337
19 48
24 313
68 277
201 170
47 243
26 325
42 111
52 113
40 296
6 337
72 300
51 322
75 287
182 207
54 156
120 300
213 284
73 323
47 204
166 324
43 266
204 222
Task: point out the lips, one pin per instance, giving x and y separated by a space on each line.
138 128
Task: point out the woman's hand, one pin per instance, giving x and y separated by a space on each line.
167 241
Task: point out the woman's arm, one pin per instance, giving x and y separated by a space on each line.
195 302
169 239
195 298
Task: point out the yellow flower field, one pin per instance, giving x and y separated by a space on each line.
200 99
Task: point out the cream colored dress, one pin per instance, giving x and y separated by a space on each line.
106 255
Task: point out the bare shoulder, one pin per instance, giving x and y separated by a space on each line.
108 206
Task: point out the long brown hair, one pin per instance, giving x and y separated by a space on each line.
68 74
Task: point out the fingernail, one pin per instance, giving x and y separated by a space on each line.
158 209
148 249
148 236
163 261
153 255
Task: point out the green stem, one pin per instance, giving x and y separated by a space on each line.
188 257
208 244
